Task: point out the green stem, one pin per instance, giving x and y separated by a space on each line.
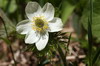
63 57
89 44
8 5
8 39
90 38
69 40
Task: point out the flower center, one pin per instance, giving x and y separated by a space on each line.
39 23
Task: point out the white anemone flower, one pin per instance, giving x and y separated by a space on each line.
40 21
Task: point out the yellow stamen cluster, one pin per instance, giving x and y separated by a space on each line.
39 24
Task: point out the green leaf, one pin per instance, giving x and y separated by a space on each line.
67 9
3 3
90 42
96 56
6 40
12 6
96 18
8 23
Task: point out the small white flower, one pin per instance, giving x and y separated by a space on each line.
40 21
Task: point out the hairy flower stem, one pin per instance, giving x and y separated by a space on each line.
10 48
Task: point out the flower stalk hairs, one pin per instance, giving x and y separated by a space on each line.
40 21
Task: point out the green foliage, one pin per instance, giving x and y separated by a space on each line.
5 22
90 41
67 9
96 57
5 40
3 3
12 6
8 5
96 18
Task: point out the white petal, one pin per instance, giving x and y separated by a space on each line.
55 25
32 37
42 42
48 11
32 9
24 27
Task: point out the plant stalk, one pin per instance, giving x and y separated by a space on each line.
10 48
62 55
90 38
